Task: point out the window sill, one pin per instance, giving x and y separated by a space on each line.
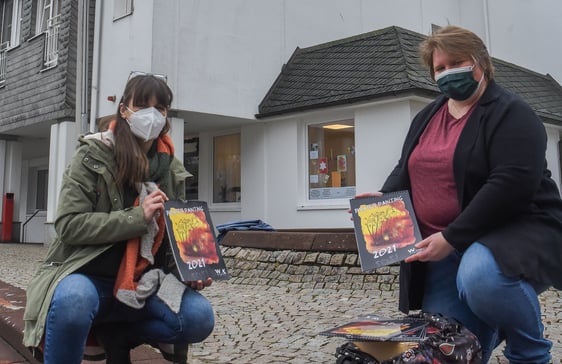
225 207
343 205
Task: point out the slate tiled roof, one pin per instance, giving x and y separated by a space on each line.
542 92
381 64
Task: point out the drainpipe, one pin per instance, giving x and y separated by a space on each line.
487 26
95 66
82 68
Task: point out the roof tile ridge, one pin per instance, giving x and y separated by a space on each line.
407 61
297 51
521 68
348 40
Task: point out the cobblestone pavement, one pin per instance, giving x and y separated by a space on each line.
267 317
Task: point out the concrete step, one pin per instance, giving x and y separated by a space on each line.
12 304
8 355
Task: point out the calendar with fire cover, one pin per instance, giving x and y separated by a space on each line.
193 241
386 229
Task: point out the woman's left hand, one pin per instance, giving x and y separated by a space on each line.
434 248
199 285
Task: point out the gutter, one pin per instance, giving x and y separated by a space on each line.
95 66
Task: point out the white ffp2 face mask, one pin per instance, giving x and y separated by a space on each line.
146 123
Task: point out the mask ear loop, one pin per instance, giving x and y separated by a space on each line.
481 78
122 109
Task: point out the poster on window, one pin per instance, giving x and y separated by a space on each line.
342 163
323 166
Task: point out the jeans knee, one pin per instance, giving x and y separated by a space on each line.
478 273
198 319
474 283
76 299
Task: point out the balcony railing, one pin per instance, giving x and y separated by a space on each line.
3 55
51 55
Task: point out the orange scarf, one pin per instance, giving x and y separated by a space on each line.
133 264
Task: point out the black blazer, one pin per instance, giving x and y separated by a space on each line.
507 197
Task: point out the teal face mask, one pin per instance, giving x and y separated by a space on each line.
457 83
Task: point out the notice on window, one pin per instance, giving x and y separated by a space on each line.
331 193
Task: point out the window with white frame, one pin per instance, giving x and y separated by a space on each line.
331 160
47 11
226 168
122 8
6 17
51 53
10 19
48 21
3 62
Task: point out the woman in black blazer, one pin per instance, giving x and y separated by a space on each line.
490 214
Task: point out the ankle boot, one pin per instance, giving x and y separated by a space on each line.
175 353
117 343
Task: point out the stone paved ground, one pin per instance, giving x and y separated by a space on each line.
276 303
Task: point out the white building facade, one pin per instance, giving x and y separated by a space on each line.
221 58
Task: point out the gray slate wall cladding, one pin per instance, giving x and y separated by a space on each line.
32 94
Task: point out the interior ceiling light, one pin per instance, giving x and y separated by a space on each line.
337 126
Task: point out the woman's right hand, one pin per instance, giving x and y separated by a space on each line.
153 203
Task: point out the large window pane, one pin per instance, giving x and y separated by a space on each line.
191 163
37 189
42 184
331 160
6 9
46 10
226 168
122 8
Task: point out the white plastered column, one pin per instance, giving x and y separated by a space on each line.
62 146
176 133
553 152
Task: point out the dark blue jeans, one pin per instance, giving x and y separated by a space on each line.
80 302
472 289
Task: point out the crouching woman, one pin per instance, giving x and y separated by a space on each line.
109 274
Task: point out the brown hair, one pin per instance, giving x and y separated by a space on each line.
132 163
460 42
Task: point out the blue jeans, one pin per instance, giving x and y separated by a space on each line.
81 302
472 289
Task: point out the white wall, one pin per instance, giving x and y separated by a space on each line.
379 133
527 33
553 152
221 57
125 45
254 168
282 181
280 149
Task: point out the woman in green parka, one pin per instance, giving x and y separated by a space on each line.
107 276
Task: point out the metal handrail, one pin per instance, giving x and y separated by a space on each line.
25 223
52 41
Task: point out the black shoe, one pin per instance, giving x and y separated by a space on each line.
115 341
176 353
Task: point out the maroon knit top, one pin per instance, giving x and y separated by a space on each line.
434 192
